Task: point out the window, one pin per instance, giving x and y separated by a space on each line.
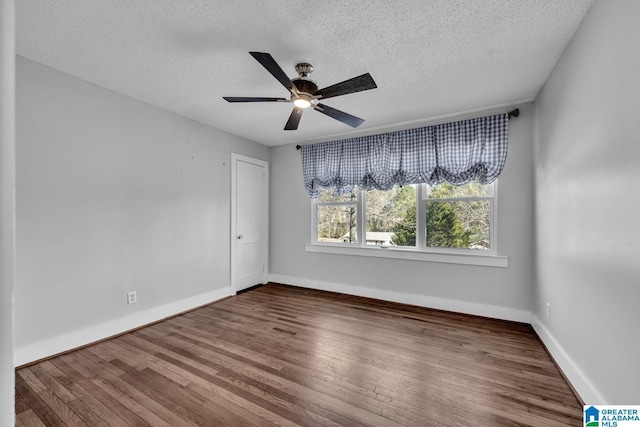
441 218
459 216
389 214
336 217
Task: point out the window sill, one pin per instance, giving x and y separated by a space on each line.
486 260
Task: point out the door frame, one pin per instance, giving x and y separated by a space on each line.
235 158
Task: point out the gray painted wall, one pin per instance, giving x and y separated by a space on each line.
587 173
7 208
113 195
504 287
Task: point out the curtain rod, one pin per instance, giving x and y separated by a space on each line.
513 113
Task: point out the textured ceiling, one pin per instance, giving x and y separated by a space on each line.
428 58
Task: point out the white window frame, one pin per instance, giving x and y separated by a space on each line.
420 252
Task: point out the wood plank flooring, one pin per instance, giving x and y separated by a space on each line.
280 355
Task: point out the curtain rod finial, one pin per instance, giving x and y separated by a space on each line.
298 147
514 113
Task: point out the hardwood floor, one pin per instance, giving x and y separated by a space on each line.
280 355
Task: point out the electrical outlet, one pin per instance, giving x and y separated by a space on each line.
548 310
132 298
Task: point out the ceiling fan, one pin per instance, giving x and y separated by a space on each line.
305 92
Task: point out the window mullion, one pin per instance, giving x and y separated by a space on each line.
314 221
335 203
421 218
493 216
460 199
361 218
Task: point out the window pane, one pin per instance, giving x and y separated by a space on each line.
471 189
326 196
459 225
391 216
337 223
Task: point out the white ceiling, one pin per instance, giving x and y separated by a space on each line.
429 58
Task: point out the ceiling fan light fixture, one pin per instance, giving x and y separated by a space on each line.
302 102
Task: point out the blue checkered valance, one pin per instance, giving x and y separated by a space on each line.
459 152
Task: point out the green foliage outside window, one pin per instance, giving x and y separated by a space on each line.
404 232
444 228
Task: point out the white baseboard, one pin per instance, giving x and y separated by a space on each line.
81 337
574 374
466 307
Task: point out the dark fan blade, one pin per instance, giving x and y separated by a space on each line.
356 84
345 118
294 119
272 66
250 99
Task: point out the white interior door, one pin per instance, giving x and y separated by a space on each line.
249 221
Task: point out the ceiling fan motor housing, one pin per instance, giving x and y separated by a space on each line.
305 86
